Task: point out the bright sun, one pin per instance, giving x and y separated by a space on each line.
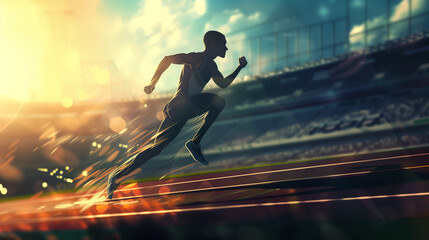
21 47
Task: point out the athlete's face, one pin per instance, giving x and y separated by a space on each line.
221 48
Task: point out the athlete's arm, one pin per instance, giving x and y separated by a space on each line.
225 82
181 58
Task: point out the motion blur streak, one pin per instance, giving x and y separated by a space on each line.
60 198
288 170
403 195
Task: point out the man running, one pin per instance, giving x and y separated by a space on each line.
188 102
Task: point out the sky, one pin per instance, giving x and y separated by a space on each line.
66 50
180 29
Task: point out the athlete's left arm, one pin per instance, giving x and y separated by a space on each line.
225 82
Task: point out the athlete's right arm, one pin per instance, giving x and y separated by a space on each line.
225 82
181 58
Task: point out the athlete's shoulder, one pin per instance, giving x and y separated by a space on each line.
192 58
198 56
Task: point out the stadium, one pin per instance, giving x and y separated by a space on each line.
324 136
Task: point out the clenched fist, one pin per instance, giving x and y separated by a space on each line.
242 61
149 89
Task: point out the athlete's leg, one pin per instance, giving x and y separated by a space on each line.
167 131
213 105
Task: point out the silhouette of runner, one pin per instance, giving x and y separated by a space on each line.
188 102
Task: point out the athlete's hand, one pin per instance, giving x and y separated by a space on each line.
242 61
149 89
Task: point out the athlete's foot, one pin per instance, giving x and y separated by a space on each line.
112 184
196 153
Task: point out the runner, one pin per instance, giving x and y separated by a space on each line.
188 102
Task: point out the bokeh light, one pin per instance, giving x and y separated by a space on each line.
117 124
67 102
160 116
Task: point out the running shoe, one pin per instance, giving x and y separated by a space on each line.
112 185
196 152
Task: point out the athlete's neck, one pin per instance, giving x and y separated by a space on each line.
209 54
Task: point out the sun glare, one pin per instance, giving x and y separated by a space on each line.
39 56
22 47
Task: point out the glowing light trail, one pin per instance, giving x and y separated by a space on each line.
115 201
249 174
224 207
241 185
280 170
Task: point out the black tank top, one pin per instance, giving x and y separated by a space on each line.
193 81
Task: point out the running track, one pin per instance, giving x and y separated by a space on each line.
388 185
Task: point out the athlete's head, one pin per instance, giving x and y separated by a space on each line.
215 42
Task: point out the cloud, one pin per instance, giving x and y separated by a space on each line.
153 17
235 17
200 7
158 28
164 27
357 29
231 20
86 33
254 17
400 12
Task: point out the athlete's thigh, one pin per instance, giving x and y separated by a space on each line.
184 108
180 109
167 131
204 101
